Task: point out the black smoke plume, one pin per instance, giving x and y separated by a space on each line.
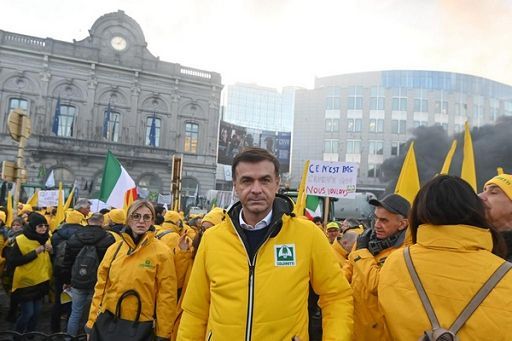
492 145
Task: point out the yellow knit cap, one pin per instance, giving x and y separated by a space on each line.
117 216
215 216
503 181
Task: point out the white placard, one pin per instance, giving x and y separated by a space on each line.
332 179
48 198
164 198
227 173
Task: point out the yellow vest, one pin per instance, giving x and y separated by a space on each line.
35 272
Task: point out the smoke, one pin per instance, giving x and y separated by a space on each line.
492 146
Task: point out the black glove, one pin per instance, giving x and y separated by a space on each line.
364 239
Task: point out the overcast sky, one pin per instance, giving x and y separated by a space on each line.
289 42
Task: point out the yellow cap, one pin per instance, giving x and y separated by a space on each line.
332 225
503 181
117 216
215 216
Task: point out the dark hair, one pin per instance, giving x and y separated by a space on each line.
159 219
254 155
159 209
449 200
104 211
317 219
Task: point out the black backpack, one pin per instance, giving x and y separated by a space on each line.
85 267
60 252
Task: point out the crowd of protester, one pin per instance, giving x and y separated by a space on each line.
434 269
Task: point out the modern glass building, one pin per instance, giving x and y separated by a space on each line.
366 117
259 107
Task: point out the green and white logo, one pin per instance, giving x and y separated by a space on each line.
285 255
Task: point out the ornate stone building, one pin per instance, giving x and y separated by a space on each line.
157 108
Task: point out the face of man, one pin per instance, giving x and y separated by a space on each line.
256 185
332 234
85 210
498 207
387 223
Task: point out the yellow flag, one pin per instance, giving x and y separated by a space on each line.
449 157
408 183
300 205
500 170
10 212
69 200
34 199
59 216
468 172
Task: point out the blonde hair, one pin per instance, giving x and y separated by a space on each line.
138 204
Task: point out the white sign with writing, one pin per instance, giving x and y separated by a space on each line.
332 179
48 198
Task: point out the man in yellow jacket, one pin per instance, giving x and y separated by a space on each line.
372 248
251 274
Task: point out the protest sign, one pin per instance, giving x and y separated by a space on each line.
332 179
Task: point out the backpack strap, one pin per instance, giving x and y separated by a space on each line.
160 235
108 272
421 290
480 296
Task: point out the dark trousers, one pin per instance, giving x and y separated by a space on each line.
58 309
27 321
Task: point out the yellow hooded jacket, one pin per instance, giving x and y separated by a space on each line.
148 268
363 272
230 297
453 262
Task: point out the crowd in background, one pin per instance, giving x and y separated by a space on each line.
411 274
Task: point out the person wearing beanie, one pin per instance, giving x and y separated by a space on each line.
117 218
497 199
212 218
30 256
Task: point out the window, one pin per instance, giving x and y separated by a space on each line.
420 105
494 107
331 146
395 148
442 107
375 147
508 108
398 126
157 125
66 120
112 128
399 102
376 125
15 103
332 124
457 128
418 123
353 146
377 98
332 101
373 170
191 137
355 98
354 124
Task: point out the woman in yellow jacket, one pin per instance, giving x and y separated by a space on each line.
31 281
142 263
453 257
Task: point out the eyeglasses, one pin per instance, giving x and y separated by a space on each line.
145 217
43 225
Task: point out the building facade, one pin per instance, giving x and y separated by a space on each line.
109 93
366 117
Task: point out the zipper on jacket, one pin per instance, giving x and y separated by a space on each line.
209 337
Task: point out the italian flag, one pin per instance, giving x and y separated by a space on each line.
117 186
313 208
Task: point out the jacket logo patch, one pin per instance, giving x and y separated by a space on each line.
285 255
147 264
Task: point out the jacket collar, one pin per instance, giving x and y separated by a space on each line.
458 237
146 239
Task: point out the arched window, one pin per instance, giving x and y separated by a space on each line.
153 125
66 120
149 186
191 137
111 126
63 175
15 103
